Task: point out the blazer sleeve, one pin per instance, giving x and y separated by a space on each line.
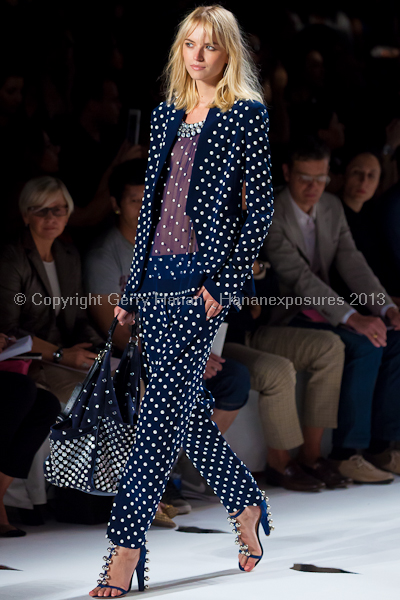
229 281
297 278
128 301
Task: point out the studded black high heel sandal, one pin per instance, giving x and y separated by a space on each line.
141 569
264 519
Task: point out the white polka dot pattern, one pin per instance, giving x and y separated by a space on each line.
175 412
88 465
232 150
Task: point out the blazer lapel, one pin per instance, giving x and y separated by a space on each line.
173 122
293 229
34 258
201 153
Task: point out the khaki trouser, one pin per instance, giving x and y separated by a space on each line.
273 355
58 380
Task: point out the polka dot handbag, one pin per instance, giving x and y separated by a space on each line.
92 438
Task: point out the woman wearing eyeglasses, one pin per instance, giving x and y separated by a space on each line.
40 289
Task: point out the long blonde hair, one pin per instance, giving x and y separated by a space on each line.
240 79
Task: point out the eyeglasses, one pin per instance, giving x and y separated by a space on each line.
322 179
56 211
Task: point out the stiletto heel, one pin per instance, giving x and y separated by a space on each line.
140 572
141 569
264 519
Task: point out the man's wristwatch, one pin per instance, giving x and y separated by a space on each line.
58 354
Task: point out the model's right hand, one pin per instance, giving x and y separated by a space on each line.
373 327
212 307
124 318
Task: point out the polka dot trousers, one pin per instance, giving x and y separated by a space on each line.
175 412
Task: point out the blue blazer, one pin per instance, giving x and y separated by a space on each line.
233 149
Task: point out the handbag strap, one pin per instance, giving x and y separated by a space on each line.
111 330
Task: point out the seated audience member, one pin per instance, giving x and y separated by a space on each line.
108 261
27 413
106 272
89 153
273 356
308 236
365 215
41 292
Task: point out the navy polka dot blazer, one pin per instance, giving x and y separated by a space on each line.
233 149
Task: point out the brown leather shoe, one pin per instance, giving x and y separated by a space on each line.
325 471
293 478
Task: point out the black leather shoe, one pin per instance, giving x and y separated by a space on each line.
293 478
326 472
11 532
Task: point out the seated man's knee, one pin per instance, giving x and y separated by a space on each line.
231 386
330 342
278 372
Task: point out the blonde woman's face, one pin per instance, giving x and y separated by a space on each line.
204 59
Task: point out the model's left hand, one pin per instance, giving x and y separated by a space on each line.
211 306
393 316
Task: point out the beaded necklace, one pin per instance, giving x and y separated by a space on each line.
190 129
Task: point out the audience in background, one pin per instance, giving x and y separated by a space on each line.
68 77
273 356
108 261
37 272
308 236
365 212
27 413
106 272
90 149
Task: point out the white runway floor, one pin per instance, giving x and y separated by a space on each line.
357 530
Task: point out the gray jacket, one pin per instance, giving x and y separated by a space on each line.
285 249
22 272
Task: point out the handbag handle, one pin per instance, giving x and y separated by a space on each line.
112 330
95 366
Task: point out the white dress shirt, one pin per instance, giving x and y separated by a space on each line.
51 272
